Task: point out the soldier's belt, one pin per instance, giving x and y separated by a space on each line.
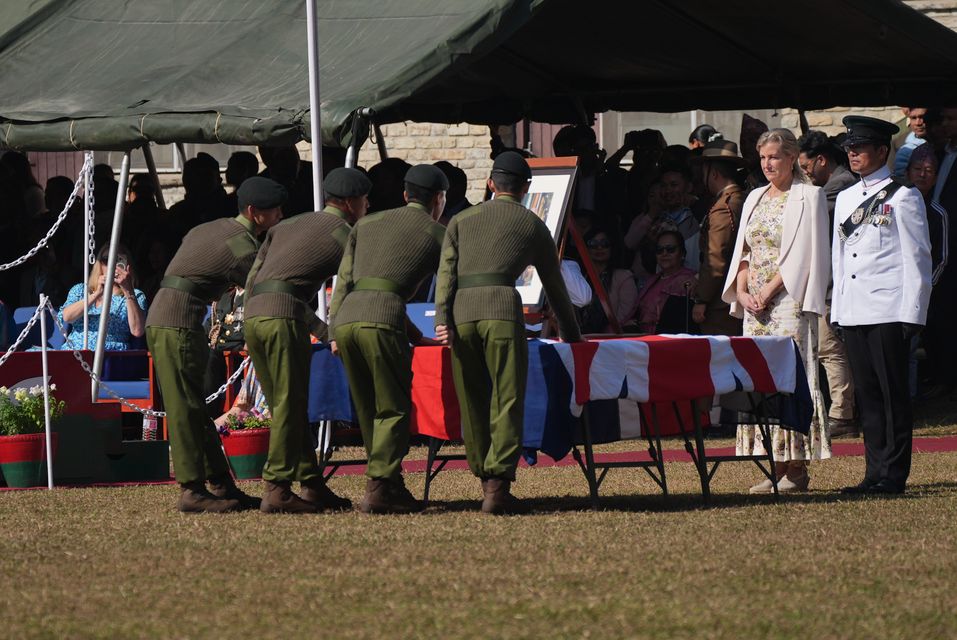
381 284
485 280
280 286
188 286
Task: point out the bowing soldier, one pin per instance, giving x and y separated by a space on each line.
296 258
882 282
213 257
346 192
387 256
479 312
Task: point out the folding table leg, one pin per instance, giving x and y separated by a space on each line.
589 467
760 412
655 447
702 458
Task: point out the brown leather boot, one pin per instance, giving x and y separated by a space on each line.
388 496
499 500
316 492
196 499
279 498
225 487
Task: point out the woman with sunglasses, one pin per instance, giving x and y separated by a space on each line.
778 279
672 279
618 283
127 308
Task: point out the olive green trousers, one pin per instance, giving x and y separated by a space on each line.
179 359
490 368
378 362
281 351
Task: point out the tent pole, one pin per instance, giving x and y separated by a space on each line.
181 150
315 114
110 271
151 165
380 141
87 214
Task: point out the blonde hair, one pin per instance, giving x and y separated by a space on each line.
789 147
95 272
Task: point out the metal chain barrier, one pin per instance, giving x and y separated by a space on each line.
87 165
126 403
23 334
91 216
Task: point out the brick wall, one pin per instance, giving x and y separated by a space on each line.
464 145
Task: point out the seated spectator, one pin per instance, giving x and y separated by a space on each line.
284 165
19 167
619 284
751 130
702 135
205 198
903 145
241 165
672 212
388 184
455 200
127 307
157 252
673 279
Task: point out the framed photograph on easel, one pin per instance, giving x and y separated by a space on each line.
550 198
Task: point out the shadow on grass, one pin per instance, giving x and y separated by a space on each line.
643 503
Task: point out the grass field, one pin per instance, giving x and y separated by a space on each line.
121 562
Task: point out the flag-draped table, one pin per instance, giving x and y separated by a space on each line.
663 375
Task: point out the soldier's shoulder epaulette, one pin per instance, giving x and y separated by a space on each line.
241 245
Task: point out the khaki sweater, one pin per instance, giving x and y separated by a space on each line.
214 256
498 237
303 251
401 246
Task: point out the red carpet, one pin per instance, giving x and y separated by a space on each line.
840 449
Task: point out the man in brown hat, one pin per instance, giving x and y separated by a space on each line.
720 163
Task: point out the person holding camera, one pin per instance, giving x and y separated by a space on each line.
127 309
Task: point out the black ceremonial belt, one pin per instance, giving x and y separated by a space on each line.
865 211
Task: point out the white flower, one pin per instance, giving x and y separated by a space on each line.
4 391
36 390
20 395
52 387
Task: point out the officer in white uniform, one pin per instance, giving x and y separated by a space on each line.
882 283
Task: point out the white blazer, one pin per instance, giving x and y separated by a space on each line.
805 257
882 273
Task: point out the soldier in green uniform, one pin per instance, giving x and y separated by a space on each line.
479 312
213 256
386 258
296 258
347 194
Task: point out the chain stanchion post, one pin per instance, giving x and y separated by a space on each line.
110 272
87 215
44 306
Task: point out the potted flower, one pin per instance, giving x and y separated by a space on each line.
245 437
23 434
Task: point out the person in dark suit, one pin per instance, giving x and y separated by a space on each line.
824 164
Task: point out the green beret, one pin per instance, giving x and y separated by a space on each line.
512 163
261 193
866 130
346 183
428 177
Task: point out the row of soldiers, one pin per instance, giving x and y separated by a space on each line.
381 260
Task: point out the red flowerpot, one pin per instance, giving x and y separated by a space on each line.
247 450
23 459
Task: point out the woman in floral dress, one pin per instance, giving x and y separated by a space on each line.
779 276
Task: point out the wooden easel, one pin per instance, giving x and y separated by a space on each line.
569 229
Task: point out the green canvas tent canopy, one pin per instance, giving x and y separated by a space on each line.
115 74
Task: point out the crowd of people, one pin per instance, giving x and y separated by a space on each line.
696 238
